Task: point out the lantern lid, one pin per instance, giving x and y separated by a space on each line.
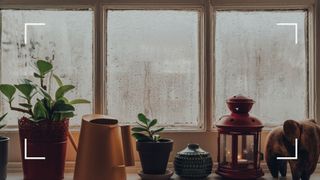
239 119
240 98
239 122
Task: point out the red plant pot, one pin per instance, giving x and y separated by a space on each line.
46 139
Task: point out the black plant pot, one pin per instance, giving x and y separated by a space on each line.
3 157
154 156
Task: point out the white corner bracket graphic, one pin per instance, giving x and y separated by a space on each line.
295 153
26 29
295 28
26 152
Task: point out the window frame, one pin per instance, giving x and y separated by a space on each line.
207 35
206 137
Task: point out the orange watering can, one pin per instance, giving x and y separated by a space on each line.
104 149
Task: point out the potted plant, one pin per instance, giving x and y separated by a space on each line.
43 128
153 150
3 151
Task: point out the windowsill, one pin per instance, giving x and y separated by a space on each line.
134 176
15 172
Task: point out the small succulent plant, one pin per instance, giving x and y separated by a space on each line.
2 125
146 131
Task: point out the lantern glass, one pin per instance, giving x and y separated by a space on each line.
225 150
259 149
245 153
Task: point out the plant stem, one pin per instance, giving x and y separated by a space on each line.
21 110
42 85
29 109
150 134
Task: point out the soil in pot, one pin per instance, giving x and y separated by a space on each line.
44 139
154 156
3 157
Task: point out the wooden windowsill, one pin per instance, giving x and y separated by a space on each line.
134 176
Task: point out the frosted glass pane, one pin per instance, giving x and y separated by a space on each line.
67 38
259 58
153 65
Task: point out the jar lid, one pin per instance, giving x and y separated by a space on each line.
192 150
240 98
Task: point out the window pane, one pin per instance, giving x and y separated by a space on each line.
66 38
153 65
258 57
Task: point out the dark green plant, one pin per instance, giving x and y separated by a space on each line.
2 125
39 104
146 131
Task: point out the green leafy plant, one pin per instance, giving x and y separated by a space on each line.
146 131
39 104
2 125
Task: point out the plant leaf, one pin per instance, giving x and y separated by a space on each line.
158 130
143 119
156 137
26 105
138 129
58 80
152 123
62 90
36 75
45 94
56 117
39 111
25 89
141 137
44 67
8 90
2 117
61 106
79 101
67 115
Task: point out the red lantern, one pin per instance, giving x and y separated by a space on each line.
239 138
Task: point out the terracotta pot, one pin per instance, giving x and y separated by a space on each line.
44 139
154 156
3 157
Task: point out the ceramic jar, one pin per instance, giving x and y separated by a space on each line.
193 162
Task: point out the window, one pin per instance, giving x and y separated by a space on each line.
66 39
153 66
176 61
263 55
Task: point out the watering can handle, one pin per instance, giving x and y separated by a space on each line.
127 145
73 142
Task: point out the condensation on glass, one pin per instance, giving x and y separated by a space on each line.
257 57
66 39
153 66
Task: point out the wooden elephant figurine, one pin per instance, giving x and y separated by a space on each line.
281 143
